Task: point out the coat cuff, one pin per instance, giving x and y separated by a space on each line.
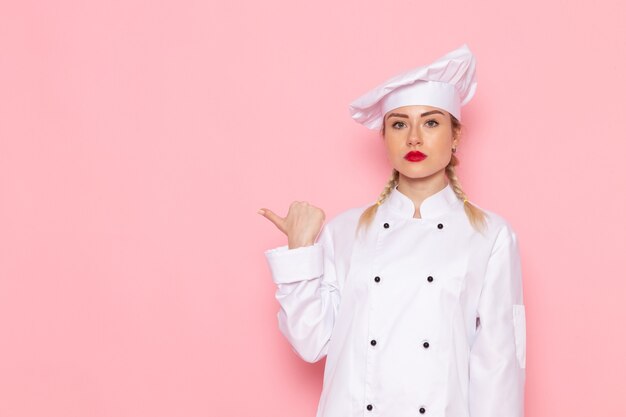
298 264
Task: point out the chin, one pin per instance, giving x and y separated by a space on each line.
417 172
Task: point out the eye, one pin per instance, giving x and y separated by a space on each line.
396 123
434 121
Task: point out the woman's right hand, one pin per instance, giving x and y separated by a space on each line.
301 225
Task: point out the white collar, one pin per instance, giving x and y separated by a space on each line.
435 205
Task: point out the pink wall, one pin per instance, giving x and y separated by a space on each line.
138 139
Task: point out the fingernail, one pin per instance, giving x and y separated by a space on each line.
261 211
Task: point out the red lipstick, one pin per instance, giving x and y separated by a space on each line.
414 156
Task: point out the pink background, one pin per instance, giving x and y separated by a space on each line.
138 139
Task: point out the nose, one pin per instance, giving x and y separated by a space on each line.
414 136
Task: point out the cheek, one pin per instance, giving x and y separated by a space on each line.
393 144
442 156
441 150
441 143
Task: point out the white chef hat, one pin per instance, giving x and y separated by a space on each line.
447 83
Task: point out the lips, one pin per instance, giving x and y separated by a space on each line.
414 156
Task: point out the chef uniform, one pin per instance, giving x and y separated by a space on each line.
415 316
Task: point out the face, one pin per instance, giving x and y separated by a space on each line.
424 129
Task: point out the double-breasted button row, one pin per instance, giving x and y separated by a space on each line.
425 343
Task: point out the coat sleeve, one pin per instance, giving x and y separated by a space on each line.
308 294
498 352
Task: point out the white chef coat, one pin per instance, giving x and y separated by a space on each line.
418 316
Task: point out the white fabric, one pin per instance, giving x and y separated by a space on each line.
471 314
456 69
432 93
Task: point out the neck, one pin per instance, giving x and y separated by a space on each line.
418 189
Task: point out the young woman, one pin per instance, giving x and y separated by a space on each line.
415 300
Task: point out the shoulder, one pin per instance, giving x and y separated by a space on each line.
346 220
340 229
499 229
339 232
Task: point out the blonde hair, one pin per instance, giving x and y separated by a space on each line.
475 215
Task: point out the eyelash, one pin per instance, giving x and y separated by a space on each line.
428 121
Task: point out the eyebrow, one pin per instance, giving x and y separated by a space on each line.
421 115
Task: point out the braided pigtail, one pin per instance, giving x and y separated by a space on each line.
475 215
368 215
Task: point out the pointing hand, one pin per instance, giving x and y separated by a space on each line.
301 225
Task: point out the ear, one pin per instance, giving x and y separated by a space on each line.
456 136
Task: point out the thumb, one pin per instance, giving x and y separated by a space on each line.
274 218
